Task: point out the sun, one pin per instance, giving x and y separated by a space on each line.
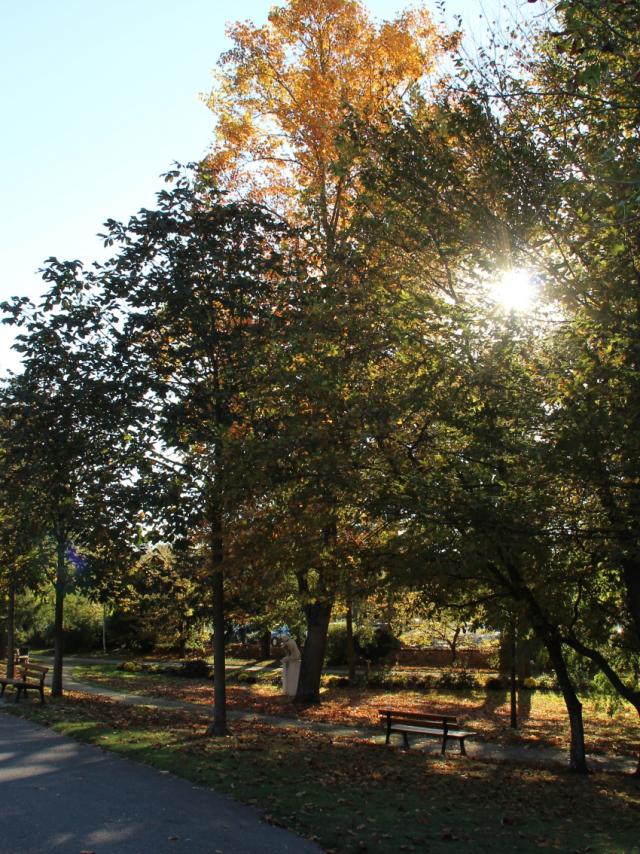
514 290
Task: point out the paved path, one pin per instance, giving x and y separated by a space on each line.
520 754
59 795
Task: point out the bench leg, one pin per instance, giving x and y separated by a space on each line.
42 695
386 741
2 687
406 740
17 695
444 745
463 749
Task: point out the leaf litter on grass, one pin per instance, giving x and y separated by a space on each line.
542 715
352 795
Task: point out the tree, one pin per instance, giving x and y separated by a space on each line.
282 96
577 102
464 436
283 93
67 408
202 282
23 554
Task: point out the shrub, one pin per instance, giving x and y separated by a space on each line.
243 677
529 683
496 683
376 645
333 681
130 666
129 631
459 679
336 651
393 680
547 681
82 621
197 668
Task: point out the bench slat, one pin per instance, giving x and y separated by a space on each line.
451 733
401 713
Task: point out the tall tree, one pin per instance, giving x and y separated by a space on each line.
282 95
202 283
577 98
67 446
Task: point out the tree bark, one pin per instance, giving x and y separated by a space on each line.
58 625
104 628
351 647
577 754
265 645
513 696
453 645
218 726
317 615
11 629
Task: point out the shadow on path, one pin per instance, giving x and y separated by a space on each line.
64 796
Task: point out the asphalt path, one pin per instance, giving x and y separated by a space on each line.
59 795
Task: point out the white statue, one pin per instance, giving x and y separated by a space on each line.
290 666
291 651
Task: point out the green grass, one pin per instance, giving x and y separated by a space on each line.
144 681
352 796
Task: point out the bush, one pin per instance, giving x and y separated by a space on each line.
336 651
394 680
376 645
35 621
496 683
130 666
129 631
547 681
459 679
197 668
529 683
243 677
332 681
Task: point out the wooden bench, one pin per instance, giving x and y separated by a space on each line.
28 677
422 723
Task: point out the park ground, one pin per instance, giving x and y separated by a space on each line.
349 792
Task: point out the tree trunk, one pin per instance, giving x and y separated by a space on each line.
351 647
514 676
453 645
265 645
630 694
219 724
58 625
104 628
548 635
11 629
317 615
577 755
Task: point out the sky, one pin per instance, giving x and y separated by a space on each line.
98 100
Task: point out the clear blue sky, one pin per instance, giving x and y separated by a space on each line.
97 100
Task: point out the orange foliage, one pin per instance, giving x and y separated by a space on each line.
284 90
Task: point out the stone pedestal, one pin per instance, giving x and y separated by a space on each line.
290 676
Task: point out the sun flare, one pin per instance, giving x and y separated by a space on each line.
514 290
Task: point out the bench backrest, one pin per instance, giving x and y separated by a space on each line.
402 717
32 671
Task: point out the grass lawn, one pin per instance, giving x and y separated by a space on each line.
351 795
542 714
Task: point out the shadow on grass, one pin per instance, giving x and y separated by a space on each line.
351 795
